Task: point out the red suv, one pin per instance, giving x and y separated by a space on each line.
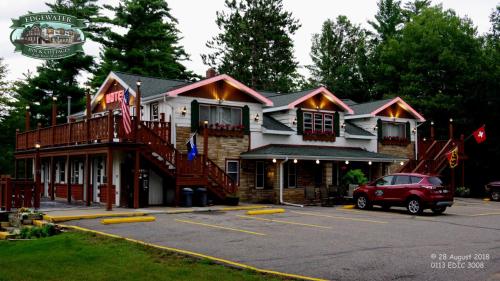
414 191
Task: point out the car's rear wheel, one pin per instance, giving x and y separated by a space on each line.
495 195
362 202
438 210
414 206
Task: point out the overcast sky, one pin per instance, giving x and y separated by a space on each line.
197 24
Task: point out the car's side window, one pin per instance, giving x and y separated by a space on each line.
385 181
402 180
415 179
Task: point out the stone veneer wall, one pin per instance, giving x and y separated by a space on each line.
407 151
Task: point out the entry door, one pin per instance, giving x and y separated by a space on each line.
45 179
98 177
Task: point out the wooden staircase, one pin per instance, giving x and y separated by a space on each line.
175 164
432 159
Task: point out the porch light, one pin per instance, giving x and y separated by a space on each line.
369 163
375 128
27 107
425 139
432 123
54 98
294 121
295 161
342 126
414 130
317 108
401 163
37 145
451 120
256 118
184 111
138 83
317 161
274 160
220 101
205 123
347 162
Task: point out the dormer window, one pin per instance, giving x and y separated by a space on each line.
318 122
223 115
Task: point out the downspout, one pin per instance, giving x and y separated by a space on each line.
416 139
281 187
173 131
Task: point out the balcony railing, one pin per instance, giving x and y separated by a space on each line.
108 128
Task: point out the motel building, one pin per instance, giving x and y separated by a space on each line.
260 146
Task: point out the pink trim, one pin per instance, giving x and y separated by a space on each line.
328 94
229 80
405 106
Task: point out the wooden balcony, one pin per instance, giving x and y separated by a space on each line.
104 129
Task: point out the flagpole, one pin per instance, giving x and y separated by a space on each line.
467 138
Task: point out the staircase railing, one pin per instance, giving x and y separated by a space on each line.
221 177
158 145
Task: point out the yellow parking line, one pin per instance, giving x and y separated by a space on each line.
221 227
286 222
337 217
375 213
484 214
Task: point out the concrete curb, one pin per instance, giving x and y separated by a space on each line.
265 212
92 216
128 220
197 255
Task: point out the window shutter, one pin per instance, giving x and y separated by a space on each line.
300 122
195 115
246 119
408 130
336 123
379 129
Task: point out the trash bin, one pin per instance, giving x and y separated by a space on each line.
187 194
201 196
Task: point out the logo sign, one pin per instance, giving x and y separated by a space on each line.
114 96
379 192
453 157
47 35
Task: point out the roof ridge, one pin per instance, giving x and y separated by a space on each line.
153 77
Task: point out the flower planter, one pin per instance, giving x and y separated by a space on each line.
329 138
222 132
395 141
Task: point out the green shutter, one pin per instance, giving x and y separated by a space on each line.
379 129
300 122
195 115
408 130
246 119
336 123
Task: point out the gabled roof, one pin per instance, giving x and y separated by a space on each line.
312 152
290 100
272 124
353 129
375 107
151 86
230 80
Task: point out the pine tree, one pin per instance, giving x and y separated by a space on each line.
414 8
387 20
255 45
150 45
338 54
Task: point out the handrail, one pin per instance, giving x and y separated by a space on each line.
221 177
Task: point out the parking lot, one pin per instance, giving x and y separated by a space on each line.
338 243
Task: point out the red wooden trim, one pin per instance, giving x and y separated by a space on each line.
403 104
329 95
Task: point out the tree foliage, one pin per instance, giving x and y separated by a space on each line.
149 45
387 19
255 45
339 59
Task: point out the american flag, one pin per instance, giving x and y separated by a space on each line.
127 123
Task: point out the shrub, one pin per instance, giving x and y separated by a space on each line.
38 232
355 176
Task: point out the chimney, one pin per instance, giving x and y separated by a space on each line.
211 73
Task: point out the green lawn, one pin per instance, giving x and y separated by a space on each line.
81 256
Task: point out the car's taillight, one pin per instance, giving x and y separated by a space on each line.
428 186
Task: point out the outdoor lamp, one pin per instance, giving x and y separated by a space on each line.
347 162
294 121
27 107
369 162
343 125
432 123
274 160
317 161
37 145
414 130
138 83
184 111
295 161
54 98
375 128
317 108
401 163
256 118
451 120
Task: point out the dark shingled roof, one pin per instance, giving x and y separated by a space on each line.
352 129
311 152
272 124
349 102
285 99
368 107
150 85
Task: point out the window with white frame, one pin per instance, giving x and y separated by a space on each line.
216 114
154 112
318 122
260 176
233 169
62 171
75 170
390 129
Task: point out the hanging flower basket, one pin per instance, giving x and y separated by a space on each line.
226 130
395 141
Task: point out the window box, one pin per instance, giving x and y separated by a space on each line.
223 130
395 141
311 135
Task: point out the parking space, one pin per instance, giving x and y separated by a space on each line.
336 243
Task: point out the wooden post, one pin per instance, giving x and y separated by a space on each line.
15 168
137 108
432 132
137 168
109 203
205 148
27 119
54 111
110 126
462 153
52 179
68 176
38 179
88 116
87 179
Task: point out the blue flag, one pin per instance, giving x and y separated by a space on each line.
192 150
